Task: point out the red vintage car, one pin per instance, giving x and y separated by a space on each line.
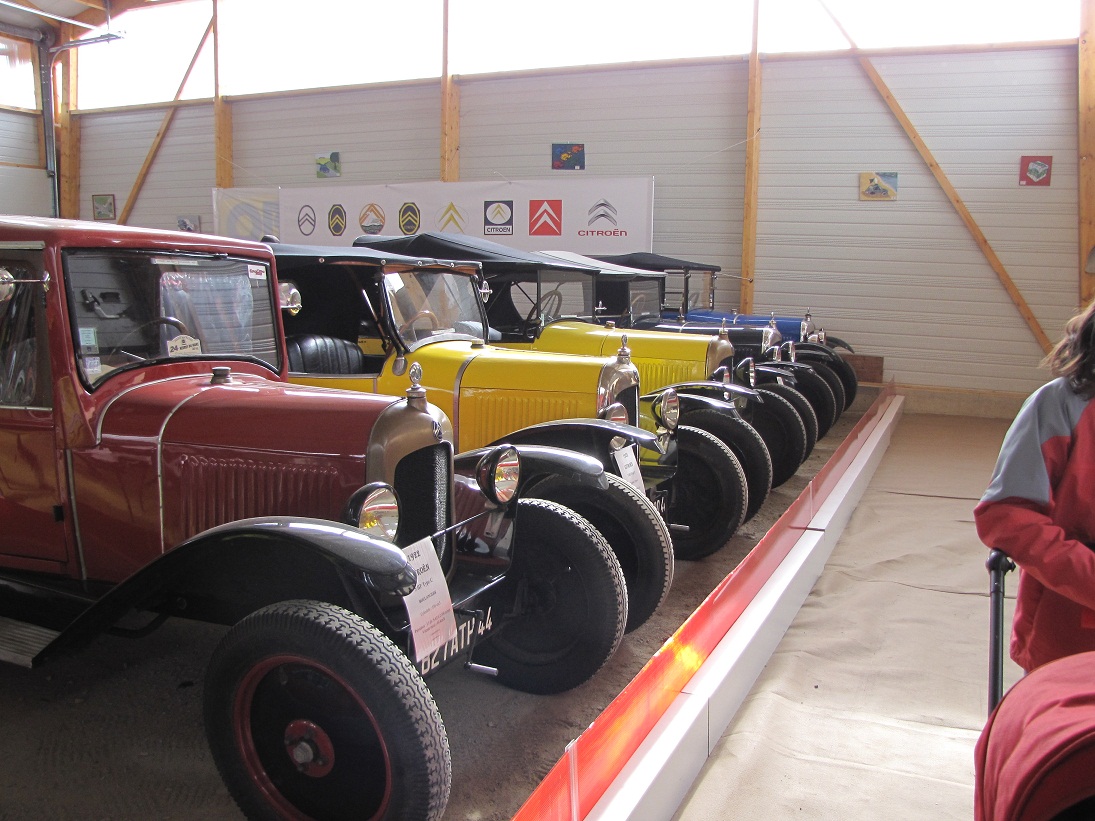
155 462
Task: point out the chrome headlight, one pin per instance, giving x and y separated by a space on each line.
616 412
667 409
375 509
499 474
790 354
289 298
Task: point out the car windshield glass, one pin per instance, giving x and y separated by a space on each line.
428 304
132 308
554 295
644 298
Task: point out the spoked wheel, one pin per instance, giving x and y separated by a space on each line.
746 444
710 494
783 432
311 712
802 405
633 528
836 385
569 603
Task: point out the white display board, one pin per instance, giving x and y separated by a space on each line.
605 215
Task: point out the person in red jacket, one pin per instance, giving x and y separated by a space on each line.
1039 507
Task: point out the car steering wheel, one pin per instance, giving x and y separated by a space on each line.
417 315
177 324
549 304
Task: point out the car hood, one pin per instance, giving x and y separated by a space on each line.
244 413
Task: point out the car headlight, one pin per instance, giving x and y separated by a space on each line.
667 409
789 352
375 509
289 298
616 412
499 474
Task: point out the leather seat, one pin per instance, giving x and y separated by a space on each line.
313 353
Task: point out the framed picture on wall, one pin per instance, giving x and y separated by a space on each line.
102 206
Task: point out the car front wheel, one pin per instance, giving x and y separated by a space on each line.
710 494
311 712
568 603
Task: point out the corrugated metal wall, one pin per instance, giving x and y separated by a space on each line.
901 279
25 188
683 125
114 146
905 279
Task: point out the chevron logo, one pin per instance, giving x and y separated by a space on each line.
452 219
371 219
602 210
545 218
336 220
306 220
498 217
410 218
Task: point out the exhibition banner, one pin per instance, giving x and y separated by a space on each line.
588 215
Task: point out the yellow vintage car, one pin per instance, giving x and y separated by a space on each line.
544 303
360 319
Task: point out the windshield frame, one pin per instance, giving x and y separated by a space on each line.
410 328
137 304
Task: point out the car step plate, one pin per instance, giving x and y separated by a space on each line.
21 642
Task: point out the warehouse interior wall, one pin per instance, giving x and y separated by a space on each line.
901 279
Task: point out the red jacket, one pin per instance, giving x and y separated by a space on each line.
1039 508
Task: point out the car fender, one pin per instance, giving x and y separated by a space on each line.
714 390
815 351
773 371
589 436
222 574
539 461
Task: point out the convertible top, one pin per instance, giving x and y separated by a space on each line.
611 268
291 256
657 262
497 259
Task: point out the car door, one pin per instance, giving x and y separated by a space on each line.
31 510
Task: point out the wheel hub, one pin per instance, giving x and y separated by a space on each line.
309 748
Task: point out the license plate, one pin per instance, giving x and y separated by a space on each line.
467 632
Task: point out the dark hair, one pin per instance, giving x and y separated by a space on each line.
1074 356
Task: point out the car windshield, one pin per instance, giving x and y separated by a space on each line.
644 298
554 295
131 308
428 304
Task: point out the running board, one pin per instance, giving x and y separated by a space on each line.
21 642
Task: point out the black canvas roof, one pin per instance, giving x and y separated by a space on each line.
657 262
497 259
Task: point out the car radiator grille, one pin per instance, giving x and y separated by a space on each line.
658 374
216 491
488 419
423 480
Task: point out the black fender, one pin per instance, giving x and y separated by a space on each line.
836 342
589 436
697 401
773 371
715 389
815 351
227 572
539 461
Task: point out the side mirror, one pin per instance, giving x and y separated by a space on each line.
7 286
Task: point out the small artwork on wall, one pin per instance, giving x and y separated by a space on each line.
190 222
568 156
878 185
102 206
328 165
1035 170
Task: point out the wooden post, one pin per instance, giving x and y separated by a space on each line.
752 176
1085 124
68 127
450 111
222 116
